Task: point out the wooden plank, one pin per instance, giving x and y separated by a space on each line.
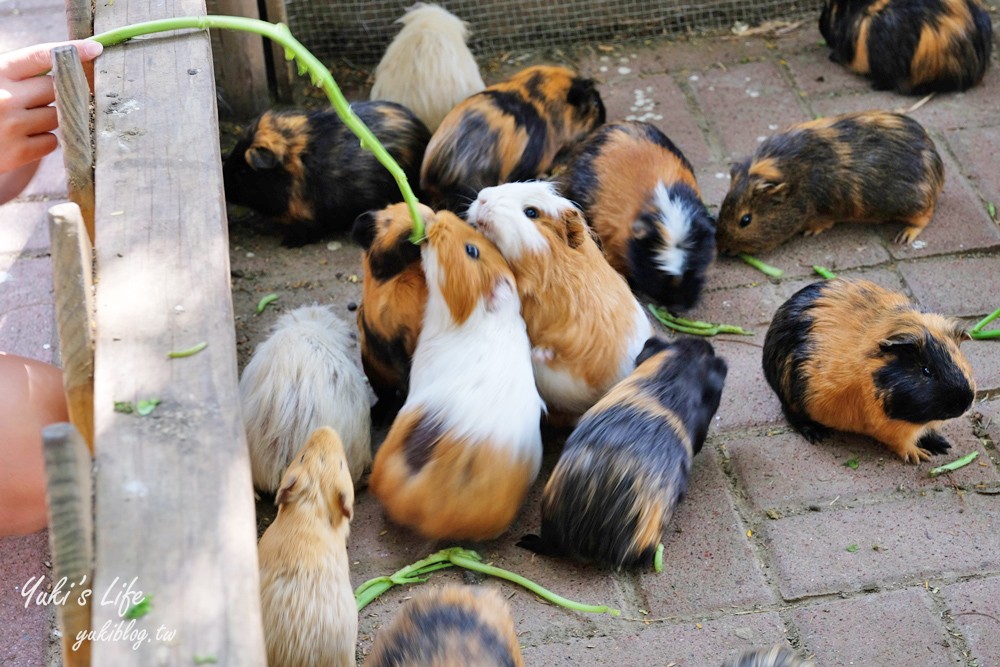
175 508
284 70
72 278
240 68
73 110
79 18
68 488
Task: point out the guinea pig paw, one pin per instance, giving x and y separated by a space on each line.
913 454
908 235
542 355
934 443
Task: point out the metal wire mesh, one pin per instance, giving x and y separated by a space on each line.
359 30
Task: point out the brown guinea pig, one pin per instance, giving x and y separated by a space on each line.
913 46
307 603
392 302
776 656
466 445
852 356
452 626
511 131
585 326
873 166
308 171
626 465
639 194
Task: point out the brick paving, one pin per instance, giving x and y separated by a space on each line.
758 551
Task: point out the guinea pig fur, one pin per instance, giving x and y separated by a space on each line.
626 465
873 166
453 626
776 656
301 378
466 445
309 172
427 67
585 326
912 46
512 131
852 356
307 603
392 301
639 194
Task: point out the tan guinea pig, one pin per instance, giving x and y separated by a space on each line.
511 131
452 626
461 454
307 603
873 166
585 326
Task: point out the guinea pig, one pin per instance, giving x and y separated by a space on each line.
852 356
393 295
873 166
301 378
307 603
308 171
639 194
452 626
776 656
512 131
625 466
912 46
584 324
466 445
427 67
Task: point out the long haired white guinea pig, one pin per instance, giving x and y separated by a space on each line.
585 326
427 67
301 378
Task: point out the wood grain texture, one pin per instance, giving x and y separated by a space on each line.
79 18
175 510
240 68
284 70
73 109
72 279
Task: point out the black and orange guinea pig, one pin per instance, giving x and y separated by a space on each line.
872 166
512 131
392 302
852 356
452 626
626 465
308 171
639 194
912 46
466 445
776 656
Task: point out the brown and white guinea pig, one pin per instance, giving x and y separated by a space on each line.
639 194
452 626
912 46
307 603
466 445
308 171
512 131
427 67
301 378
775 656
585 326
872 166
392 301
852 356
626 465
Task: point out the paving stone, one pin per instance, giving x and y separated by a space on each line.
50 179
898 628
816 76
625 64
693 555
24 228
680 644
953 286
745 103
27 317
937 536
974 606
785 470
974 150
29 25
23 642
984 359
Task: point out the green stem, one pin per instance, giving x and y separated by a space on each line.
191 351
955 465
824 272
766 269
986 320
694 327
985 335
658 559
370 590
306 62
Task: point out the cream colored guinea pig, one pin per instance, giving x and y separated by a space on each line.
427 67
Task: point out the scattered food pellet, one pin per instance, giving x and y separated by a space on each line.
250 254
624 70
334 245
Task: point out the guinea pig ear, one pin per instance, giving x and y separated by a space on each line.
576 227
261 158
899 342
363 230
289 491
584 96
346 506
772 189
643 227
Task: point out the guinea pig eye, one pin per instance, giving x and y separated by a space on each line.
926 371
472 251
745 220
531 212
